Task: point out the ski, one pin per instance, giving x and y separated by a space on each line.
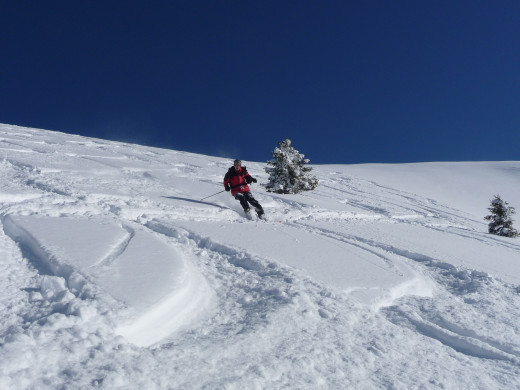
261 216
249 215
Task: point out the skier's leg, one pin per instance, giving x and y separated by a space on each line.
242 199
254 203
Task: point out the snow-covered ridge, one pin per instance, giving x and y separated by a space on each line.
116 274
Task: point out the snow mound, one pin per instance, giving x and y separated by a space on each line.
153 277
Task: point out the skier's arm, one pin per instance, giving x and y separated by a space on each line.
249 179
227 184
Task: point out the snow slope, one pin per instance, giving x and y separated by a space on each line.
114 274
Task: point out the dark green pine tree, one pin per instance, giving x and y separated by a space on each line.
500 222
287 171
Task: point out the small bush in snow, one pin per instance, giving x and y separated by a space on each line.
500 221
287 173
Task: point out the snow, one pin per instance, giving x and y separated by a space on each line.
115 274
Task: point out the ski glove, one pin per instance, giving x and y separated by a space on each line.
254 180
228 188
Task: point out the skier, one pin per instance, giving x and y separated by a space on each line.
236 180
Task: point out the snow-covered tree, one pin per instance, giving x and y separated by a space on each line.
287 171
500 221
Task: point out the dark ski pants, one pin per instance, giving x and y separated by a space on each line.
245 197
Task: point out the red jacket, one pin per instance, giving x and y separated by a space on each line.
238 180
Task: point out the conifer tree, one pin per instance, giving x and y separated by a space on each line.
500 221
287 171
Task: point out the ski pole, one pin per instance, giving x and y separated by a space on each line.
213 195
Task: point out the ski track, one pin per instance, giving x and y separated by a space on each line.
269 288
422 207
459 339
118 249
455 280
358 242
452 335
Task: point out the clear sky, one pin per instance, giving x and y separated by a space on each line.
347 81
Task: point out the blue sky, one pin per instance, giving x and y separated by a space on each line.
347 81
